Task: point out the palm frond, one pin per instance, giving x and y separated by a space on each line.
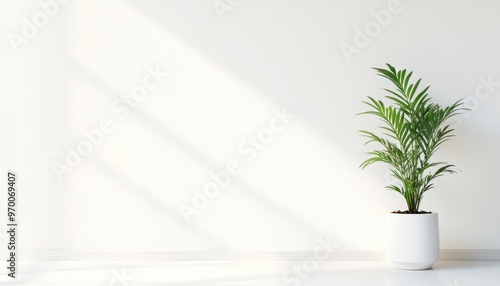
413 129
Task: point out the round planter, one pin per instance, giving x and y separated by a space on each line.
413 240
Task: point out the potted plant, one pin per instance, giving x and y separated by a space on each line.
413 129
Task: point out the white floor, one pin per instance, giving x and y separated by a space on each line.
342 273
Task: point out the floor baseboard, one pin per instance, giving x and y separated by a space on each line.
447 254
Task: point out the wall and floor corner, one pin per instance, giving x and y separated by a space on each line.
227 129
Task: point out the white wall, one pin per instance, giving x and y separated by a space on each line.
227 78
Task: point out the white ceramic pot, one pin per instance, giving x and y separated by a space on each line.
413 240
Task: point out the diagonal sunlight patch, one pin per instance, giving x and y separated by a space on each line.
197 118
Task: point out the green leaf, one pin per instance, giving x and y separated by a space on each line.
413 129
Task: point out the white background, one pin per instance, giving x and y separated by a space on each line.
228 72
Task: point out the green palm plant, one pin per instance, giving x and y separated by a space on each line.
414 128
